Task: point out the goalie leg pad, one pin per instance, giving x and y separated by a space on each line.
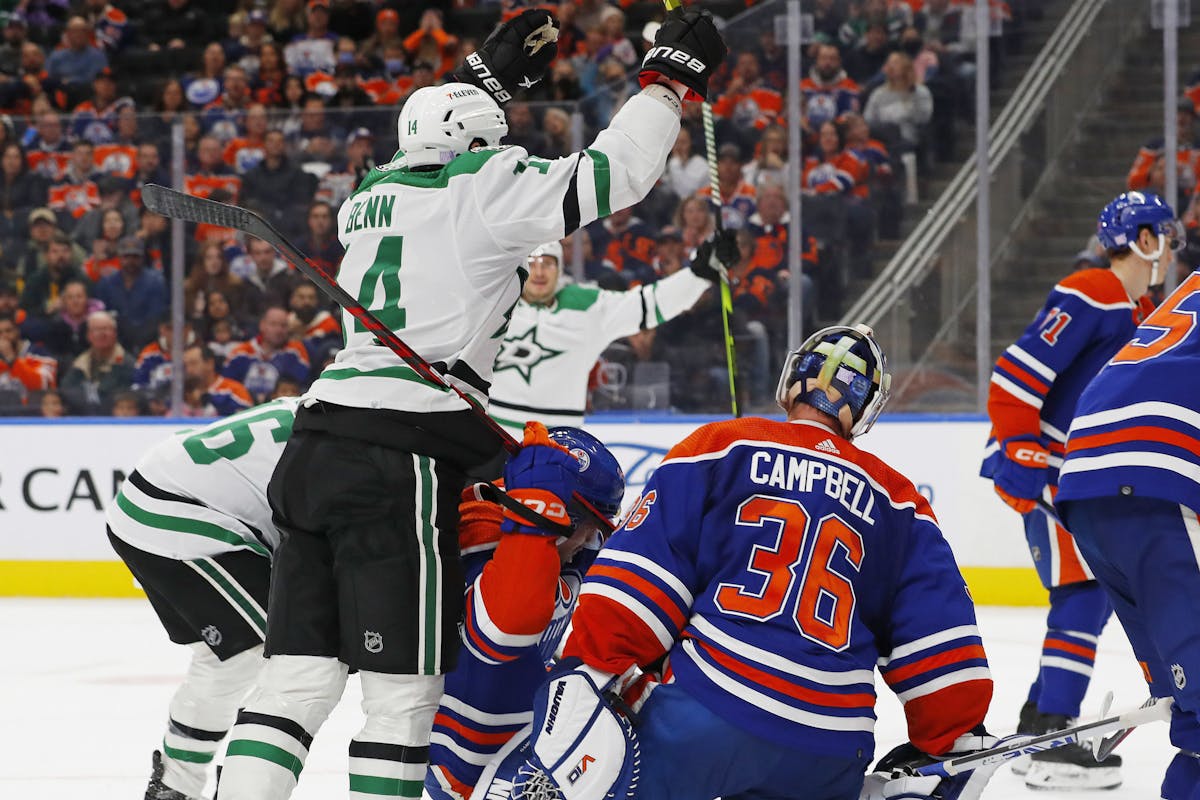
580 747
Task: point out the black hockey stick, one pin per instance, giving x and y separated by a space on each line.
178 205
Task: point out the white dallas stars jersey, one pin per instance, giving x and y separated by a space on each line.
204 492
435 254
542 370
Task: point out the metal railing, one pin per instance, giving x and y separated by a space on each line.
921 297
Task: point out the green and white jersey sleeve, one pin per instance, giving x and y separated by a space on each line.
204 492
542 370
436 254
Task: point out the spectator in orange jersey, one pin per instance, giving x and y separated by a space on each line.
827 92
747 101
628 244
221 394
210 172
1187 160
313 326
104 261
22 369
75 192
48 150
100 372
737 196
831 175
832 169
243 153
430 43
879 185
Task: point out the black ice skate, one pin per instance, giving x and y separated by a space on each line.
156 789
1026 723
1072 766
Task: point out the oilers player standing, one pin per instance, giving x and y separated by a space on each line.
776 565
1129 490
1034 389
522 584
368 575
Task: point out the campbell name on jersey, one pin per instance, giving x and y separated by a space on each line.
436 254
203 492
542 368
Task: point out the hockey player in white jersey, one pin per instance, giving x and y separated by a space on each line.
368 575
193 525
557 332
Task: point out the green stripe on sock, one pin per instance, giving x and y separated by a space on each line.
267 752
603 181
182 525
190 756
428 535
234 592
389 787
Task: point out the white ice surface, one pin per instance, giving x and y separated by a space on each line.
84 686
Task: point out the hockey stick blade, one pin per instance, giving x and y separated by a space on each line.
1105 747
1022 744
178 205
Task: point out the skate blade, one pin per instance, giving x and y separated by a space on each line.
1042 775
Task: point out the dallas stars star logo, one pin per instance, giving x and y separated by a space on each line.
523 354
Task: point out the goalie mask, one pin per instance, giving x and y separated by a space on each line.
441 122
840 371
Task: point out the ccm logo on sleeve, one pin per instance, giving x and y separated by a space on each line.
678 56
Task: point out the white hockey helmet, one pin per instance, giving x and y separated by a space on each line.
552 249
438 123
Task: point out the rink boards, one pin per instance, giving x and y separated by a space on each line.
57 479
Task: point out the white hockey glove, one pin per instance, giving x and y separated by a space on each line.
580 748
895 776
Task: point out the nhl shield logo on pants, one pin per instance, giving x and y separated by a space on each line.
212 636
373 641
1177 674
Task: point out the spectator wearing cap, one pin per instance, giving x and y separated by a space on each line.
175 23
20 192
901 101
100 372
737 196
748 102
138 296
346 173
617 45
312 50
387 32
276 186
11 42
41 226
78 61
43 288
430 43
687 171
827 92
22 368
75 192
65 335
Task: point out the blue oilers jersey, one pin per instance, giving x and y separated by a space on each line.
777 564
1037 381
519 601
1137 431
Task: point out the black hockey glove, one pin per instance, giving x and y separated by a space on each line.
688 49
515 56
715 256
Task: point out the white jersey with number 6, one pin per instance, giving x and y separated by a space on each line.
204 492
436 254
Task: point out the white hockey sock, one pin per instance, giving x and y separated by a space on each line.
201 711
390 755
270 741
